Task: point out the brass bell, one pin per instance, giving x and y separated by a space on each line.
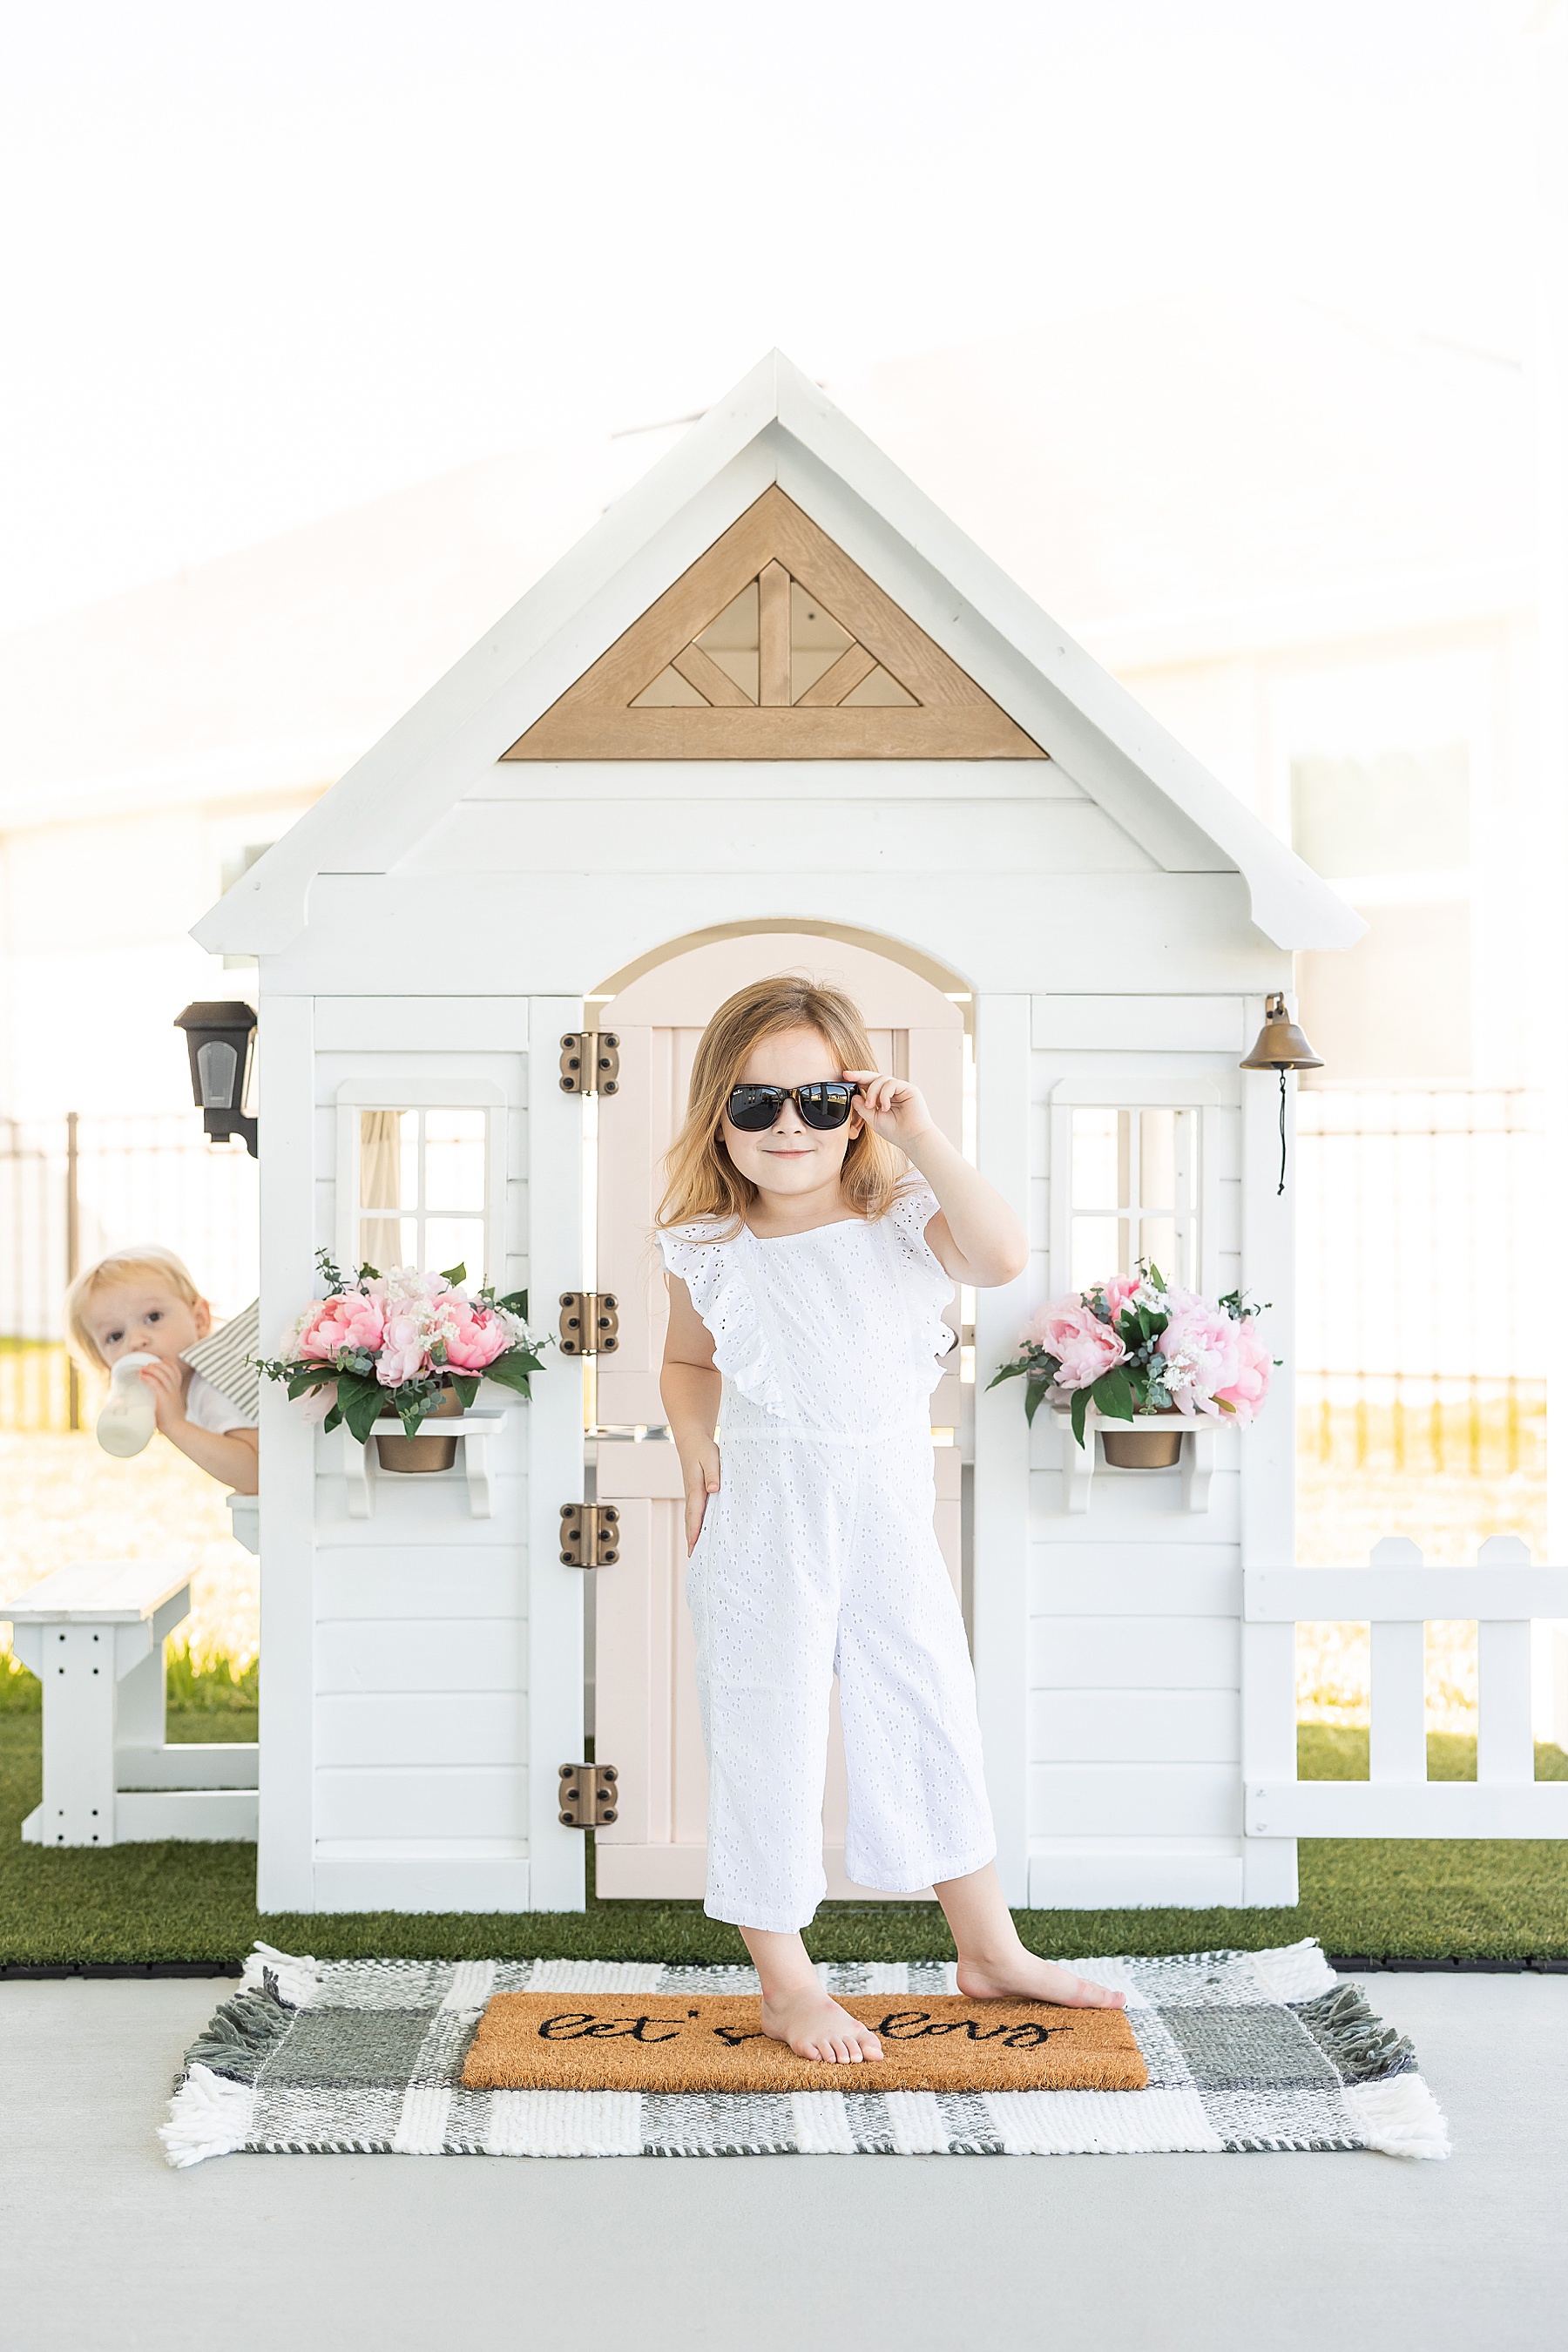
1280 1044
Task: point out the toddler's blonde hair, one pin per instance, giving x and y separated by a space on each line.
702 1180
136 1261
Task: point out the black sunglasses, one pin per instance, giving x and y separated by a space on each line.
827 1103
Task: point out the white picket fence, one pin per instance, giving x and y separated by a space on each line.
1399 1595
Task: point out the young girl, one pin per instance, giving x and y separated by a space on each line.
815 1226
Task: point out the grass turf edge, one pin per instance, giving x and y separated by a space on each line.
184 1902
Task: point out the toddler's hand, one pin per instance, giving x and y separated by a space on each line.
891 1108
702 1480
168 1388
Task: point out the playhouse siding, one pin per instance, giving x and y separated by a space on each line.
1107 1646
1134 1658
1014 932
415 1715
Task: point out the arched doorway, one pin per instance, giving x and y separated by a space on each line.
643 1687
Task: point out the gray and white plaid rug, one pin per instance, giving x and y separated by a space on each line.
1245 2050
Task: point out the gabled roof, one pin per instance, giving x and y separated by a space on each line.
777 426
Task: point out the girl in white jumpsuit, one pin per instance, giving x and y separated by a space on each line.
808 1263
818 1557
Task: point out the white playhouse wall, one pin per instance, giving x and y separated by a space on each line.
1122 1646
423 1668
410 1747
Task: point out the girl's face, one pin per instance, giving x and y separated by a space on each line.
144 1318
789 1155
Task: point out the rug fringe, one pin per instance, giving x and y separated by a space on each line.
295 1974
1363 2046
1399 2116
243 2032
208 2115
1292 1972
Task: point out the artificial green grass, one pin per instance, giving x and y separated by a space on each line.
1406 1898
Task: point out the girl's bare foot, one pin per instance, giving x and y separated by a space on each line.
993 1965
815 2026
1021 1976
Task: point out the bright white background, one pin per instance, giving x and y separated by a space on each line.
263 261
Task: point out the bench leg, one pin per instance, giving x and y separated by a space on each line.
140 1715
79 1735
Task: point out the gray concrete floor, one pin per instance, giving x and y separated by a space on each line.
108 2249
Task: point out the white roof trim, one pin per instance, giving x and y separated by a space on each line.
775 426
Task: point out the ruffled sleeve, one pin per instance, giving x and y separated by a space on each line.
711 1270
928 1286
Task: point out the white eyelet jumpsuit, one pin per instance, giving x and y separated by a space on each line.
818 1556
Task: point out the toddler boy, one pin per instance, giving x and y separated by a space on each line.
143 1301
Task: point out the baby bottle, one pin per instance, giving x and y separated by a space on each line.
128 1416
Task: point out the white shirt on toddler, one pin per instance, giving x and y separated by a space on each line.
211 1409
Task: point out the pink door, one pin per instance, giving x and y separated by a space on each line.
646 1720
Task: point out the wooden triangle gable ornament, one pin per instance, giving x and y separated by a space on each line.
775 646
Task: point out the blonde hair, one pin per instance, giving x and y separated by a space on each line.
137 1259
702 1180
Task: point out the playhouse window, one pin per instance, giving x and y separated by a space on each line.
422 1190
1134 1193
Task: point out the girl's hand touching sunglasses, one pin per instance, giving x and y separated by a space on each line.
891 1108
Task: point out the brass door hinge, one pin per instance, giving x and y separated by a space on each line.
590 1535
590 1062
590 1323
587 1795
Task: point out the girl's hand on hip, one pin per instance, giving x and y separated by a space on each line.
702 1474
891 1108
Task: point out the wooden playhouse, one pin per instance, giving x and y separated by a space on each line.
774 711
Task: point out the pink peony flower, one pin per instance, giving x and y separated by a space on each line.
474 1339
404 1354
331 1326
1081 1343
1118 1290
1246 1391
1202 1360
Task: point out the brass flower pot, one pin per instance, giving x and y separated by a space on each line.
407 1454
1141 1449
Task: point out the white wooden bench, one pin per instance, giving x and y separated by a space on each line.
93 1634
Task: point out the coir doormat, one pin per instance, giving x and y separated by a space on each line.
1240 2051
578 2041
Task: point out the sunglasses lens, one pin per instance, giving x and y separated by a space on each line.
826 1106
753 1109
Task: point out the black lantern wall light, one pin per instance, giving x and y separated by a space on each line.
220 1038
1280 1046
